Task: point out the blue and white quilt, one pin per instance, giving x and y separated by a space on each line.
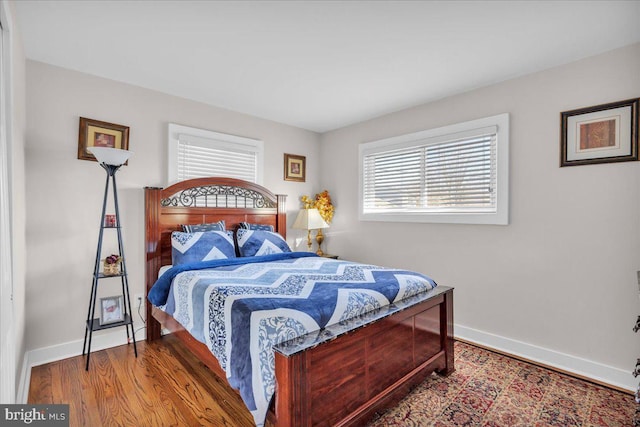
241 307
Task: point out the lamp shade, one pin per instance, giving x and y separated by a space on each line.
309 219
110 156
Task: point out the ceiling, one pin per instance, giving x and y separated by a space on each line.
320 65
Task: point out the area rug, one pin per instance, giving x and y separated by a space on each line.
491 390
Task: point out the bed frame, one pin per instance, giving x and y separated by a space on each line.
343 375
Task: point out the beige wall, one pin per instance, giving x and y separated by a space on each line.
16 143
18 196
562 275
65 194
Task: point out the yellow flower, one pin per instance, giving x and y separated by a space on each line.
322 202
307 202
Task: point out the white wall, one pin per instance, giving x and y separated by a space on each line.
562 276
18 129
64 195
15 132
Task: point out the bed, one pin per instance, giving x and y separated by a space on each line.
338 375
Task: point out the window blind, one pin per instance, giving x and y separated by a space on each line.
199 157
454 174
462 174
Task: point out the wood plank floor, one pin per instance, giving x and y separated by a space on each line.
164 386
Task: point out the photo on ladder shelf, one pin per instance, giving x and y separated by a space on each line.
111 310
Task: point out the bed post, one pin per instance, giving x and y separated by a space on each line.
292 406
152 243
281 219
446 332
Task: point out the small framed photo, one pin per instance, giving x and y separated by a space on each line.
601 134
111 310
294 168
94 133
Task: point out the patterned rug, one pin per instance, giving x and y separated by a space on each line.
491 390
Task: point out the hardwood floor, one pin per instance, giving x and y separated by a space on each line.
164 386
167 386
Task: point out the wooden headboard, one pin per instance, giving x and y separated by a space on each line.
199 201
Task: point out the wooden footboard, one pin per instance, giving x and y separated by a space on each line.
345 381
361 370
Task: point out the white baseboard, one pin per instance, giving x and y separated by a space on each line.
608 375
619 378
40 356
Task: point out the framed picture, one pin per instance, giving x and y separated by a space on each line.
601 134
294 168
94 133
111 310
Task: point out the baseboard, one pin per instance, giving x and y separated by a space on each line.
57 352
599 373
583 368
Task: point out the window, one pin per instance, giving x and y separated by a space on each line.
195 153
453 174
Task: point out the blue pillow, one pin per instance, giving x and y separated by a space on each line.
251 226
201 246
214 226
260 242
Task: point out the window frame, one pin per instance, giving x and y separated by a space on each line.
222 140
501 214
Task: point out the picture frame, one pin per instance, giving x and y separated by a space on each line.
295 168
604 133
111 310
95 133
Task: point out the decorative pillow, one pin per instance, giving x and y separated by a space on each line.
201 246
260 242
214 226
251 226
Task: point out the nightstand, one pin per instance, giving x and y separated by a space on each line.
329 256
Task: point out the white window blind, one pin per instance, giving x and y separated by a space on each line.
195 153
452 175
445 175
200 157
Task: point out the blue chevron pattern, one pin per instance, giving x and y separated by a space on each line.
201 246
249 307
260 242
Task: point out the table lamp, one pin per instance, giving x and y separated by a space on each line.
310 219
